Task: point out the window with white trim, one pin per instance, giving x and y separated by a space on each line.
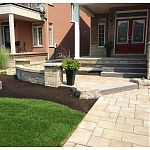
101 34
50 35
37 36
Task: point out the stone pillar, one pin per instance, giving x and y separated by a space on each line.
53 74
77 29
12 33
148 61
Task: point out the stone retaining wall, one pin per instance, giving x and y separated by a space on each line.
51 75
31 75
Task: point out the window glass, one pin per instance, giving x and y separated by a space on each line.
101 34
138 31
122 32
37 36
50 36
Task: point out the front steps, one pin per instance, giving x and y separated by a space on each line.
127 67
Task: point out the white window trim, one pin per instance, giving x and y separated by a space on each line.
51 26
72 12
38 45
104 23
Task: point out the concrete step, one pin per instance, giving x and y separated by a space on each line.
123 74
124 69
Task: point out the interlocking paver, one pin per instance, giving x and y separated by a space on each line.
108 119
116 143
114 108
87 125
79 145
146 123
91 118
134 121
142 130
121 119
69 144
96 141
98 131
142 115
127 114
114 115
142 108
106 124
100 107
80 136
127 109
136 139
112 134
99 113
124 127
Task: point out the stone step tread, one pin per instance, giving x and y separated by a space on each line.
90 69
124 68
124 73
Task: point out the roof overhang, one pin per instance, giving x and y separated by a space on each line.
93 9
20 12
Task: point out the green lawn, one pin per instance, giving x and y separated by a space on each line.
29 122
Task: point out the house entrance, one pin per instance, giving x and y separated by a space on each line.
130 36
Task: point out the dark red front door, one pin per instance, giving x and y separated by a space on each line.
130 36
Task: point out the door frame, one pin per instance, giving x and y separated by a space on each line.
140 10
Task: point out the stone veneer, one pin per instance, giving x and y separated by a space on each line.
51 75
25 73
148 61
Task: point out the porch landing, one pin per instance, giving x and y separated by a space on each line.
92 87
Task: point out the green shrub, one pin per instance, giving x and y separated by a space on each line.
4 58
70 64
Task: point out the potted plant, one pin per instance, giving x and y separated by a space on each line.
109 47
71 66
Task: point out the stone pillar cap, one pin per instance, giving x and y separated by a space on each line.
53 64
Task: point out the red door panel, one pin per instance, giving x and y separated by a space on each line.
130 36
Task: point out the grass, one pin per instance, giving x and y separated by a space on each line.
4 58
27 122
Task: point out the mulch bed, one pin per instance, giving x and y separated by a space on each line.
63 95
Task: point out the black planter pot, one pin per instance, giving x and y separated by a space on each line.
108 53
70 75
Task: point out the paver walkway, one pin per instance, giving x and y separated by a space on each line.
121 119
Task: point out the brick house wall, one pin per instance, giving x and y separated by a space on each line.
63 29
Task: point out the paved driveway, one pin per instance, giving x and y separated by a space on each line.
121 119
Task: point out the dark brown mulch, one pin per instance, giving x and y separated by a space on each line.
63 95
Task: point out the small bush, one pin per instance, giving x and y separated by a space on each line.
70 64
4 58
